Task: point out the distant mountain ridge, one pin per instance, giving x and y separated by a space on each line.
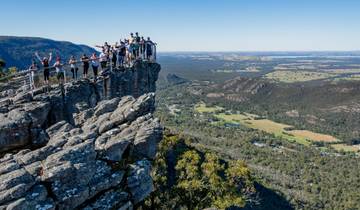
18 51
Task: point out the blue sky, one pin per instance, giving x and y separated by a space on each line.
192 25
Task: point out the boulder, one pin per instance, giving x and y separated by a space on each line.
16 125
14 129
36 198
147 138
15 184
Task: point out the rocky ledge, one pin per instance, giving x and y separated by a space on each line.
106 158
85 150
25 116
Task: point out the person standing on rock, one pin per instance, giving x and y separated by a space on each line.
129 53
131 38
142 47
106 47
122 54
95 65
60 72
103 58
85 63
149 48
33 67
137 40
45 63
114 57
73 68
132 51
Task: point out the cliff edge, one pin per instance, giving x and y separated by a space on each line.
88 149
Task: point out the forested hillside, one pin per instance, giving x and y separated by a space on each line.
18 51
312 175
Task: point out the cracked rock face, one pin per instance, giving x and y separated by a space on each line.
79 166
85 151
24 117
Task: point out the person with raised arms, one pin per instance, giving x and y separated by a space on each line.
106 47
45 63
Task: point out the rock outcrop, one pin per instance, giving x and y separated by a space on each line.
86 150
23 116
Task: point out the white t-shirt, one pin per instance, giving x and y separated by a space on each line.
73 65
94 62
58 68
102 57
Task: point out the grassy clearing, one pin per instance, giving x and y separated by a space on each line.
202 108
304 137
297 76
346 148
265 125
313 136
234 117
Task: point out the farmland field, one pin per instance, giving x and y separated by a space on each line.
202 108
345 148
297 76
313 136
304 137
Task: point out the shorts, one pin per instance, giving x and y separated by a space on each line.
60 75
103 64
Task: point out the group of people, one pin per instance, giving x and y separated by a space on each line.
129 50
121 54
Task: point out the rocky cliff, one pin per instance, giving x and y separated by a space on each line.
90 148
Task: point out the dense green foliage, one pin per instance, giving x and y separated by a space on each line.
6 71
187 178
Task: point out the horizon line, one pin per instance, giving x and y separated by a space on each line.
257 51
200 51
